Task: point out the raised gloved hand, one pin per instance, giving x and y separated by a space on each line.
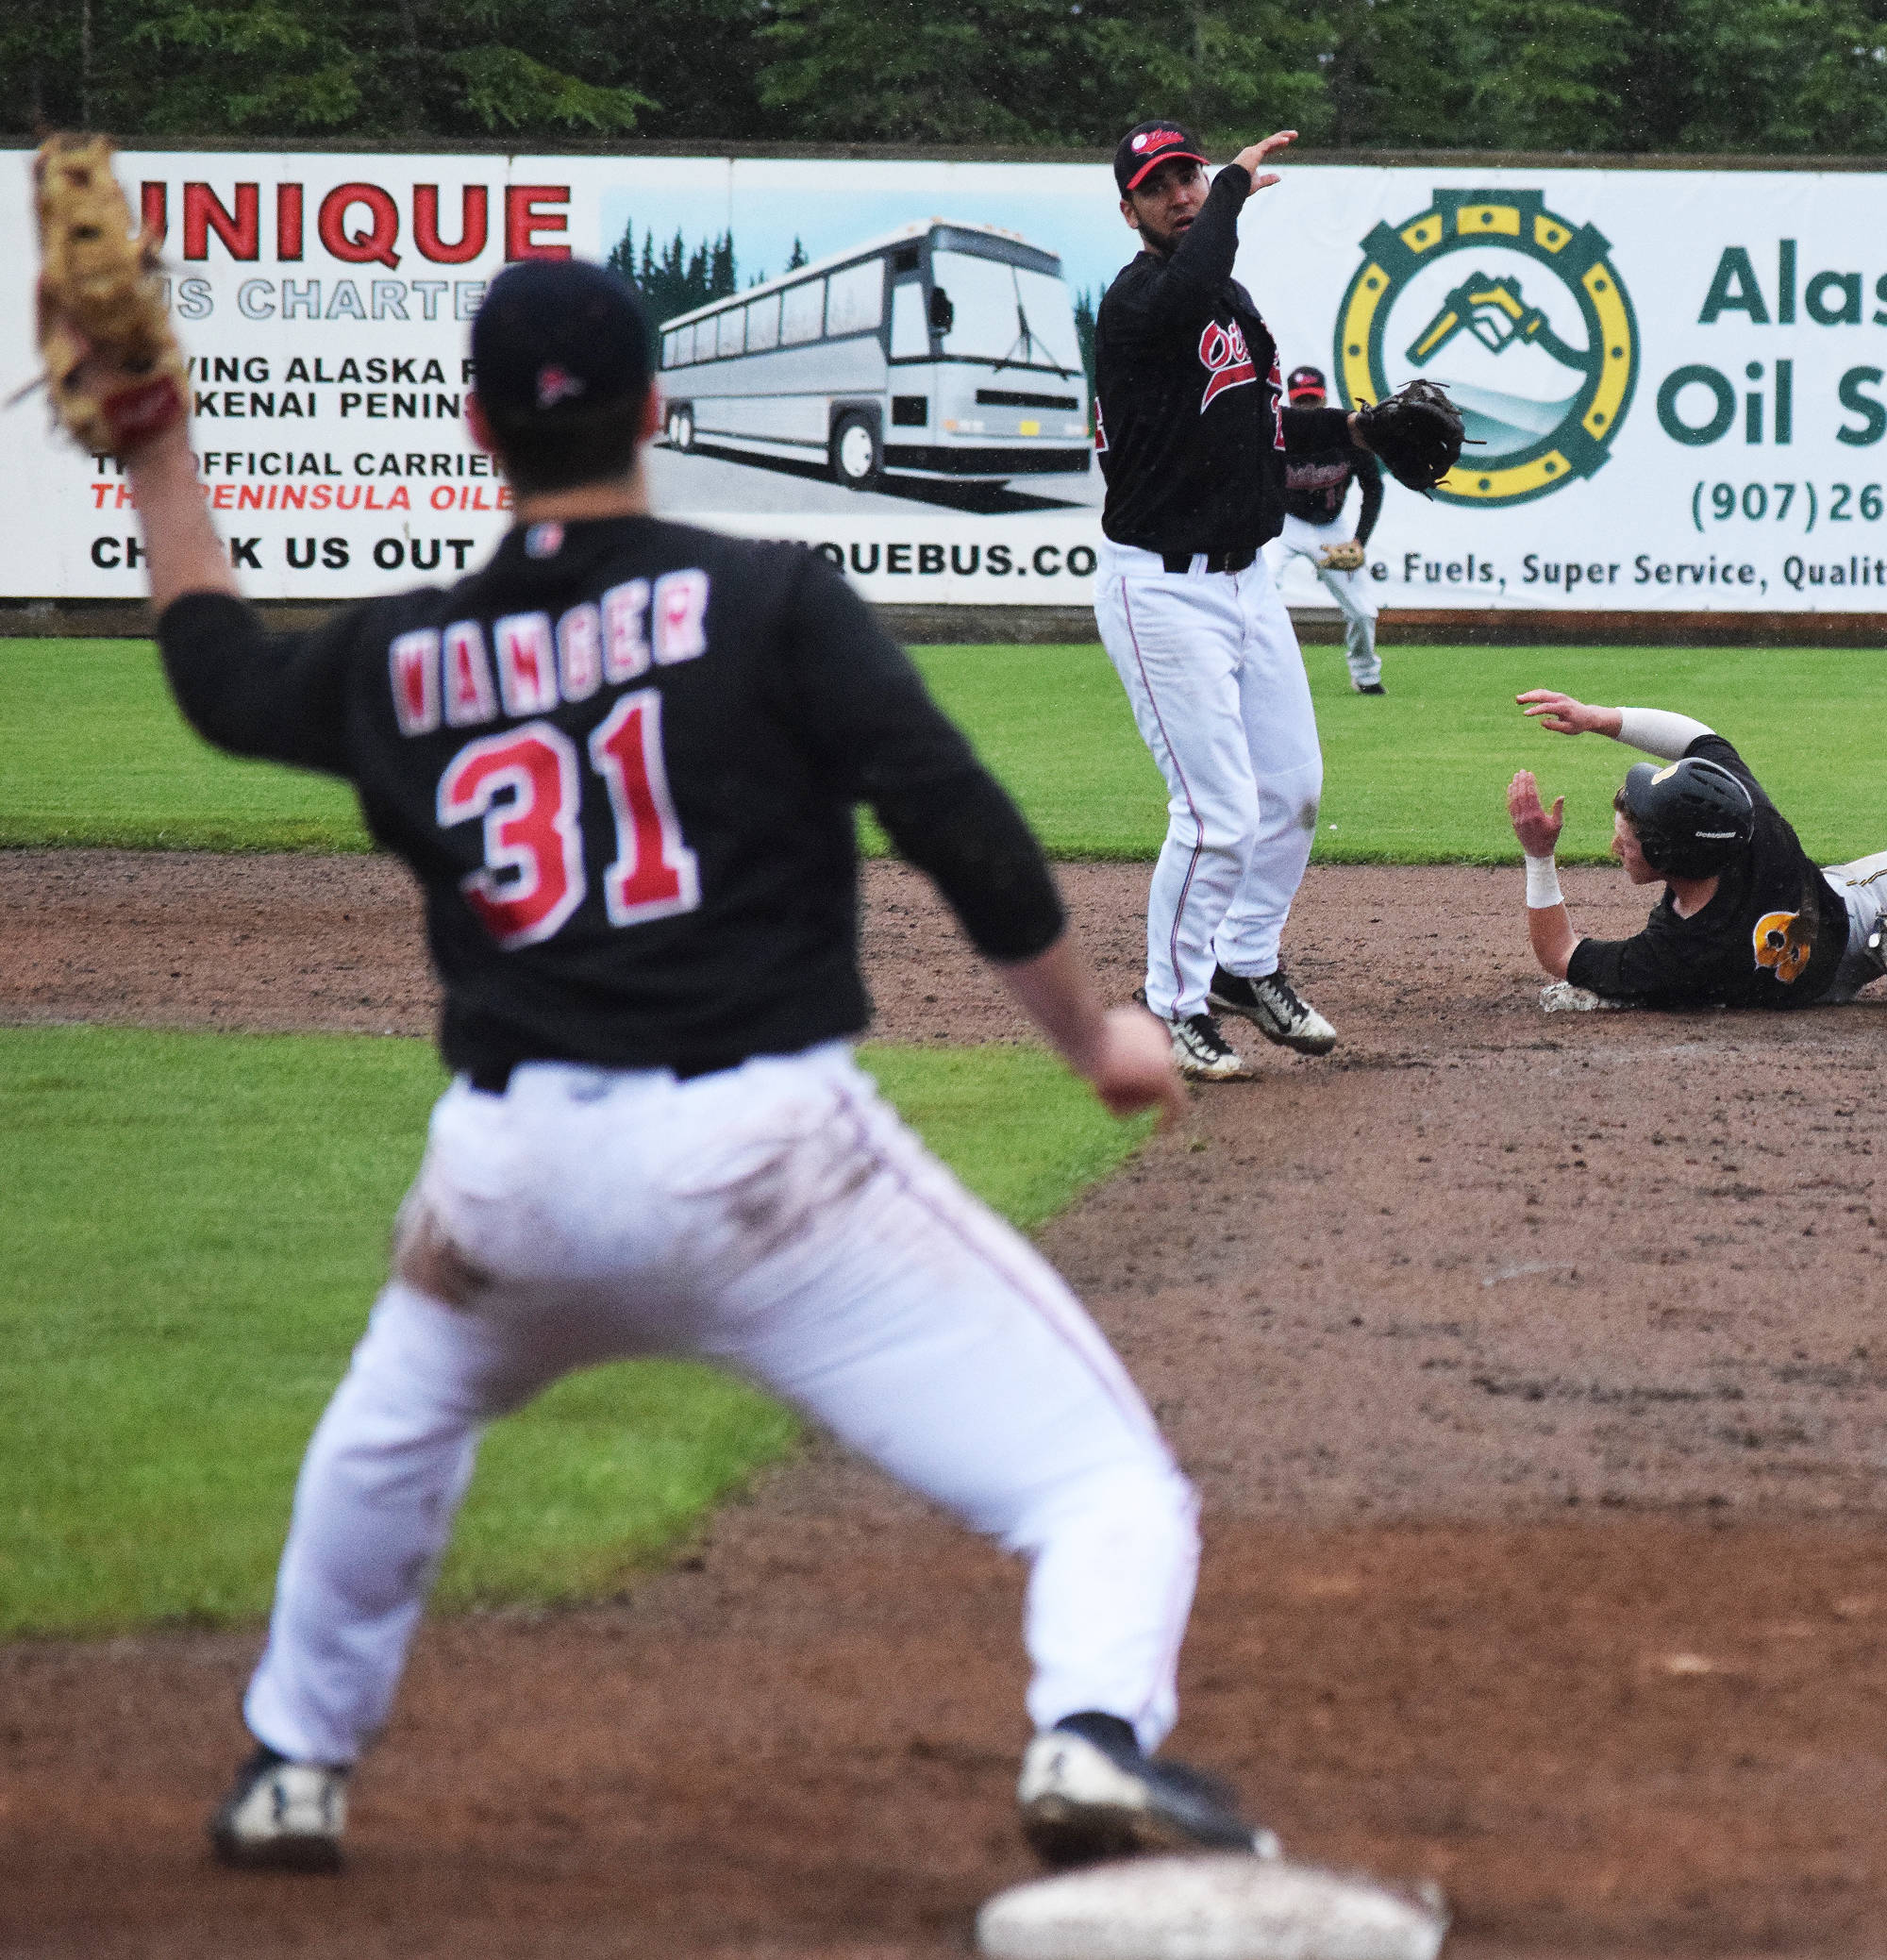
113 370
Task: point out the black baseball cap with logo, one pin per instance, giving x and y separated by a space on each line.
1148 145
1305 380
558 337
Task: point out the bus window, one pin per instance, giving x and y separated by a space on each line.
672 355
763 323
854 298
703 332
731 335
909 330
996 307
802 312
1051 318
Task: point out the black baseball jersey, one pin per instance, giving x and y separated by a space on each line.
1316 485
622 760
1190 420
1772 935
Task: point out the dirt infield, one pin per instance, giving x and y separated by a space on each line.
1526 1366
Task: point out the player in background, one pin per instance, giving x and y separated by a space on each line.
1748 918
1315 489
1192 433
622 759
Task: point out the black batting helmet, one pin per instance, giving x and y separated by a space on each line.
1306 380
1690 818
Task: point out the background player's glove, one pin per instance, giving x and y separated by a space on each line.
1342 558
1418 433
113 368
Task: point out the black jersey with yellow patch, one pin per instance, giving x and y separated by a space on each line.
1771 936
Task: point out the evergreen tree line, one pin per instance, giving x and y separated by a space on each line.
1758 76
675 280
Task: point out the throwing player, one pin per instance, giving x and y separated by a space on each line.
1315 489
1748 918
1192 432
622 759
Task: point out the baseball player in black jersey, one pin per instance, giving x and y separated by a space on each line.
1194 435
1747 919
622 760
1315 489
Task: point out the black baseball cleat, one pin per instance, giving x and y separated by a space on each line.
1201 1052
1372 687
1088 1792
1273 1007
281 1815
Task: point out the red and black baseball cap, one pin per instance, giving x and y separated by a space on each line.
1305 380
557 337
1148 145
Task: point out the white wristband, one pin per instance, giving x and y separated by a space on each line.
1543 884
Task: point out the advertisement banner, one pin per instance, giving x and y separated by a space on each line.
1673 380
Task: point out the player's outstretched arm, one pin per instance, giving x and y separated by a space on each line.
1567 716
1549 932
1659 732
183 551
1124 1053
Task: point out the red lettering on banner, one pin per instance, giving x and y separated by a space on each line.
288 222
375 244
474 219
155 199
1227 360
528 213
204 213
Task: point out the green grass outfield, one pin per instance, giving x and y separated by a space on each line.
97 755
195 1226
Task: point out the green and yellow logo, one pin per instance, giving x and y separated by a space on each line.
1506 341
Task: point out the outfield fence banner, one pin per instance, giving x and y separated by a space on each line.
1674 379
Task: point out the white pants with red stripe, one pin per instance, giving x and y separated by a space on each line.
779 1219
1212 670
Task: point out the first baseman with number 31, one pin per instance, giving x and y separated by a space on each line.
622 761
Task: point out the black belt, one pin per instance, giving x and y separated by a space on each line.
1215 561
495 1079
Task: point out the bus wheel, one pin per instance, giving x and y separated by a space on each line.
682 428
856 459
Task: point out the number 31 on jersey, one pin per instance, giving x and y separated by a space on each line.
526 787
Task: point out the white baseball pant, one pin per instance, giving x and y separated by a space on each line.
1863 885
1213 672
779 1219
1352 590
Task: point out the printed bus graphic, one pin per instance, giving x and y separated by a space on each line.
944 350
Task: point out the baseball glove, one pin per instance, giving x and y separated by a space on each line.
113 369
1342 558
1417 431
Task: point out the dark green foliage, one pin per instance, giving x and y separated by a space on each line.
1762 76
